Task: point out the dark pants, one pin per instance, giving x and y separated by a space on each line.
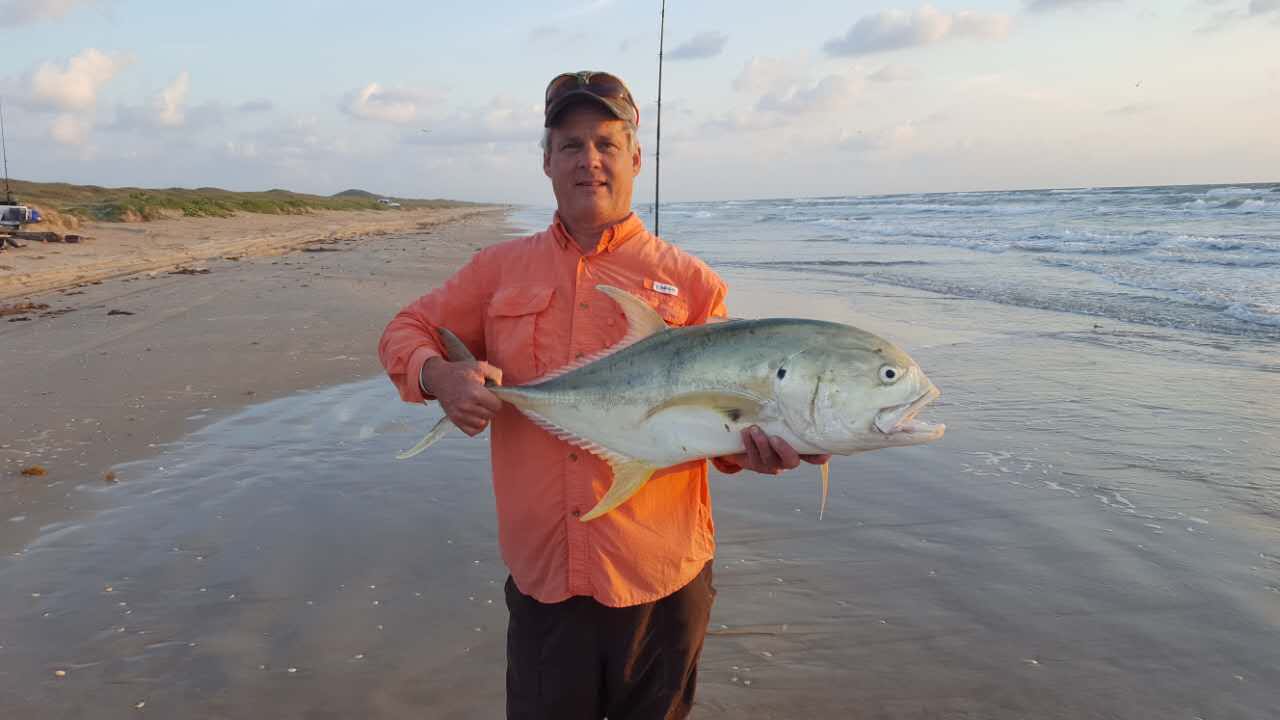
580 660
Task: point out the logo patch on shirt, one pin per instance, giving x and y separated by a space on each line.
665 289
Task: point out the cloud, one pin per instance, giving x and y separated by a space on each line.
500 121
169 104
830 93
76 87
1051 5
1140 108
373 102
23 12
738 121
897 29
699 47
589 7
550 35
1224 19
897 137
787 87
256 106
167 109
765 74
890 74
70 129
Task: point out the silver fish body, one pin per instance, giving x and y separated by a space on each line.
669 395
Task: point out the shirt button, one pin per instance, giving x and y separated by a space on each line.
573 457
584 306
576 512
578 356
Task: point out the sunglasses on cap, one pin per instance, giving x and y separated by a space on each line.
602 87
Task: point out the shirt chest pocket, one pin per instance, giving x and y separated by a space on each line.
673 309
512 331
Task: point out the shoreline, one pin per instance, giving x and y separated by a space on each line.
115 368
118 249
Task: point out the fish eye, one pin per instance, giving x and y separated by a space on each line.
889 374
782 372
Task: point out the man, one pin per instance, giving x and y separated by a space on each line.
606 617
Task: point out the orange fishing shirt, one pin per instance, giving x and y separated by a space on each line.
530 306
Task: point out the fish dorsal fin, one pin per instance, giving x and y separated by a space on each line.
642 321
733 406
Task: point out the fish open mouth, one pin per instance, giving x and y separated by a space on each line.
901 419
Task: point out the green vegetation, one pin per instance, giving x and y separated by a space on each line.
91 202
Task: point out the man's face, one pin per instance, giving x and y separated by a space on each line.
592 167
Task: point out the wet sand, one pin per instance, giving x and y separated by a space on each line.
114 368
1084 543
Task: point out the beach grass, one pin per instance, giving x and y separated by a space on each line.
130 204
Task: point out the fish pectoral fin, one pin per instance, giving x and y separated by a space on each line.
733 406
642 320
437 432
628 477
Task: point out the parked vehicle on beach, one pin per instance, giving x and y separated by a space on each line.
388 202
13 215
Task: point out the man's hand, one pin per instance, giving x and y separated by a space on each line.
770 454
459 386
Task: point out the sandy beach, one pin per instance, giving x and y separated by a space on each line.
261 553
150 323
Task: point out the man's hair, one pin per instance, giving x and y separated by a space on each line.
632 140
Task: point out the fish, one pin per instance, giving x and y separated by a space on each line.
662 396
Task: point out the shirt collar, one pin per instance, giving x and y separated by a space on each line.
613 237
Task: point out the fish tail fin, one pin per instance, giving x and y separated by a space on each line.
628 477
437 432
454 349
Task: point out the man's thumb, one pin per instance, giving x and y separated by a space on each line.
490 372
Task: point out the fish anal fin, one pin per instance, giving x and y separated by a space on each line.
628 477
733 406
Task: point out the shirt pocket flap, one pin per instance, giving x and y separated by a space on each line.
520 300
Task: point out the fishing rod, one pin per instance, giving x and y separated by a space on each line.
657 152
4 147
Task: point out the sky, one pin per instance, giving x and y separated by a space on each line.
759 100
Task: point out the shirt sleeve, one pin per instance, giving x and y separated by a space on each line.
411 339
711 300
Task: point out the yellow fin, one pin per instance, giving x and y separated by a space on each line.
437 432
825 486
642 320
734 406
628 477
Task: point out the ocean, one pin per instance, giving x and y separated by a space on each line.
1202 257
